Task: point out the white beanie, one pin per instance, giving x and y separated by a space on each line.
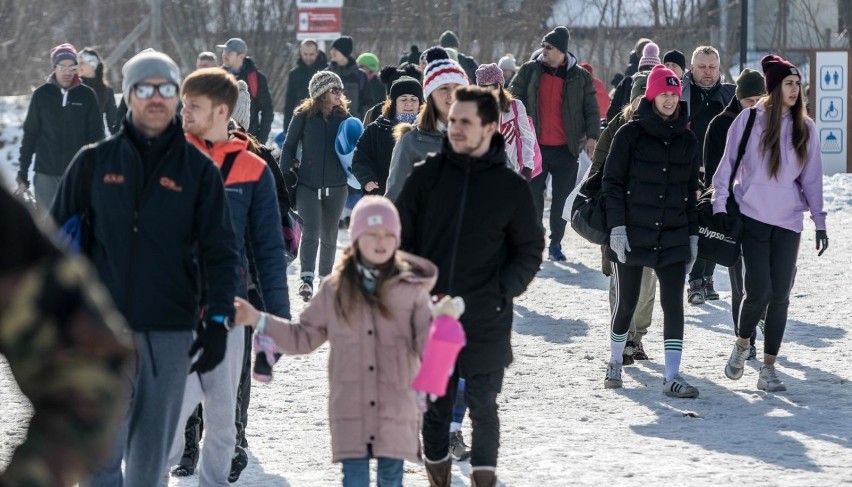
441 70
242 110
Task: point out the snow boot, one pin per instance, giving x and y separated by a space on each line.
627 355
483 477
710 293
238 464
440 472
639 351
554 252
695 296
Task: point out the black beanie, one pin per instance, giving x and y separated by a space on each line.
406 85
677 57
558 38
344 44
449 39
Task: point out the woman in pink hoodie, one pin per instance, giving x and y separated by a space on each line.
779 178
374 312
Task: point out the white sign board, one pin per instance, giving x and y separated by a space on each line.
319 3
831 109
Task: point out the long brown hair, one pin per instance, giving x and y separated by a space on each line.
771 141
505 99
347 283
427 120
313 106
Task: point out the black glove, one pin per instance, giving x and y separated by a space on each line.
526 173
821 241
721 221
212 341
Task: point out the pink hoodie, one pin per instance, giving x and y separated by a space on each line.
781 200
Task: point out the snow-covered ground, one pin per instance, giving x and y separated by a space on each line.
561 427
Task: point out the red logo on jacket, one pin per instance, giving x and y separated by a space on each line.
113 178
170 184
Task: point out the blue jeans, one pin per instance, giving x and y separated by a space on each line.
356 472
459 407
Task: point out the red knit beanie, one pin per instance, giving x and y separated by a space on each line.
661 80
775 69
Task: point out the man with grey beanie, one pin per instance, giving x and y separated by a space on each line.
160 221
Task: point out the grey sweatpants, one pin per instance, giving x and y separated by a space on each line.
217 392
45 187
642 316
152 418
320 211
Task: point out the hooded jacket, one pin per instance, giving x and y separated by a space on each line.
354 85
155 236
256 219
781 200
413 146
372 362
297 84
261 103
319 165
474 218
650 185
373 154
580 112
59 121
712 102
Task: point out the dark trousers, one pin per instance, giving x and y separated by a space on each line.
769 263
481 396
562 165
628 282
735 273
701 269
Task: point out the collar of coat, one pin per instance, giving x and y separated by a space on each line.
654 124
496 155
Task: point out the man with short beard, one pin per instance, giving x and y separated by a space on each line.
64 115
162 234
311 60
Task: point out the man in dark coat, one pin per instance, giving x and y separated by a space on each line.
468 63
64 115
488 250
343 64
311 60
236 61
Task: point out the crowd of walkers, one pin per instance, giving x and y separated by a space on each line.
190 221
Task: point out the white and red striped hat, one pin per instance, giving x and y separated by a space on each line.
441 70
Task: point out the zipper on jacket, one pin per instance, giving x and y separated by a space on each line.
455 249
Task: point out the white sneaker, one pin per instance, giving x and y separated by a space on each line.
613 376
736 364
768 380
678 387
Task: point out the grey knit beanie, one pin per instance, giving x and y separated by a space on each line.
323 81
147 64
242 110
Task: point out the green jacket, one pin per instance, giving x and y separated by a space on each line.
580 113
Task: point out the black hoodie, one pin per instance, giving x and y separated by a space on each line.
716 138
474 218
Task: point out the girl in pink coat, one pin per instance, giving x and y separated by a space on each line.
374 311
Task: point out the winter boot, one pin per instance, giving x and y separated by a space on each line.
639 351
483 477
627 355
440 472
238 464
458 449
678 387
695 296
613 376
768 380
554 252
736 364
306 288
710 293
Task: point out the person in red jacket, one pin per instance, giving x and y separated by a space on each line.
600 89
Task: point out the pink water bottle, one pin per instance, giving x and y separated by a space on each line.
446 339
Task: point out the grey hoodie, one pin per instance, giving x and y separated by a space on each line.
412 147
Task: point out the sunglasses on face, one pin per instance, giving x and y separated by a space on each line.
546 47
66 69
336 91
145 91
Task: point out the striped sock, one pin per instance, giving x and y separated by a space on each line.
616 347
674 350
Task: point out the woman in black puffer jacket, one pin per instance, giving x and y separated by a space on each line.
650 188
373 154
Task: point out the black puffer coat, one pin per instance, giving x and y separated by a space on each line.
373 154
320 166
650 185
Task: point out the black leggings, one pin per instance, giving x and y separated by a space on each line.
769 262
628 280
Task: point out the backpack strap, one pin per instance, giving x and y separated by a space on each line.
518 143
227 165
251 81
752 115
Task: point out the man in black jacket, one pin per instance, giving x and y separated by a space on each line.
488 248
236 61
160 222
311 60
344 65
468 63
64 115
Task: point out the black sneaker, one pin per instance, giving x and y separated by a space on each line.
627 355
458 449
639 352
306 288
183 471
695 296
710 294
238 464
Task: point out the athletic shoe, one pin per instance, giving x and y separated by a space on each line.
627 355
554 252
613 376
306 288
639 351
768 380
736 364
710 294
678 387
458 449
752 352
238 464
695 296
183 471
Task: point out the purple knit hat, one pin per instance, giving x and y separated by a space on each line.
650 56
63 52
489 74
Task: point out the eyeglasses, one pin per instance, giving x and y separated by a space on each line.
145 91
336 91
66 69
546 47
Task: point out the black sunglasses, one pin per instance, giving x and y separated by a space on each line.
145 91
